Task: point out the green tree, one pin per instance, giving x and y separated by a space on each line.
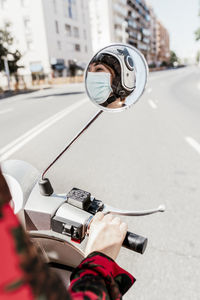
6 40
198 57
173 58
197 34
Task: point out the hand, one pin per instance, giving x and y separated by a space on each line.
106 235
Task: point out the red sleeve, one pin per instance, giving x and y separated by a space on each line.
99 277
12 283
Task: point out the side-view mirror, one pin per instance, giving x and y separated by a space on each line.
115 77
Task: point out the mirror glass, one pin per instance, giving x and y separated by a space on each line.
115 77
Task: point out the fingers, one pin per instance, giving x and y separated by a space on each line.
98 217
123 228
108 218
116 220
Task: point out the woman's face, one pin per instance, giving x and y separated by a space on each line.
98 67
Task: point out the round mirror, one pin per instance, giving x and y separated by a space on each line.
116 76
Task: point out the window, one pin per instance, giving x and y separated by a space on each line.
56 26
76 32
55 6
77 47
85 34
29 44
70 10
24 3
83 16
68 30
27 24
3 4
59 45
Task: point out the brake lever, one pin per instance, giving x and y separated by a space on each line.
109 209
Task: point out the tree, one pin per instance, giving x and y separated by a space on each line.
173 58
6 40
197 34
198 57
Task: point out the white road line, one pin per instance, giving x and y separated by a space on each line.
5 111
152 104
193 143
14 146
149 90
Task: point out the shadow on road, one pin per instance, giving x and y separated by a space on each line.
56 95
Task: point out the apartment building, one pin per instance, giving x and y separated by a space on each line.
163 44
108 22
139 26
152 56
50 34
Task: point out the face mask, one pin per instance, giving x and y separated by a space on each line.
98 85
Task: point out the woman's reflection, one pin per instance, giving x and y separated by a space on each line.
103 81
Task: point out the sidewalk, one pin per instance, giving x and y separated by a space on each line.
41 85
11 93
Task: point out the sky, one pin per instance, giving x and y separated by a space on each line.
181 20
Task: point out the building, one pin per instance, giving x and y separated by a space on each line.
139 26
108 22
52 35
163 46
153 39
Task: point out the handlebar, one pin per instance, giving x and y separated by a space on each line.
74 216
135 242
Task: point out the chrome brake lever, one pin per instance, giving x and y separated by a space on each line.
109 209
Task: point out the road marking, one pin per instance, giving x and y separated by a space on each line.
17 144
149 90
152 104
5 111
193 143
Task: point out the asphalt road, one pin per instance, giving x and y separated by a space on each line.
137 159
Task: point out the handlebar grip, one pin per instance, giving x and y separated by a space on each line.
135 242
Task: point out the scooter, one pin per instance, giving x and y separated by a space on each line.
115 78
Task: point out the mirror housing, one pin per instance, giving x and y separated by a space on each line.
115 77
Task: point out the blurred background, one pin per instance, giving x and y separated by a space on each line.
138 159
44 42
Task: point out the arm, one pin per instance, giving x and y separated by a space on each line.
99 277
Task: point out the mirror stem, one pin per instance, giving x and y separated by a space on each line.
73 140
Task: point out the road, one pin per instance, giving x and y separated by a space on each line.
138 159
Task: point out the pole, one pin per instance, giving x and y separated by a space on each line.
7 71
124 24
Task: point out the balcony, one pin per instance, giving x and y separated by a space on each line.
132 24
120 10
143 47
146 31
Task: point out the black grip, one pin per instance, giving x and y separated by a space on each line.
135 242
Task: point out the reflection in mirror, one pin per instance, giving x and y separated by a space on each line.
116 77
